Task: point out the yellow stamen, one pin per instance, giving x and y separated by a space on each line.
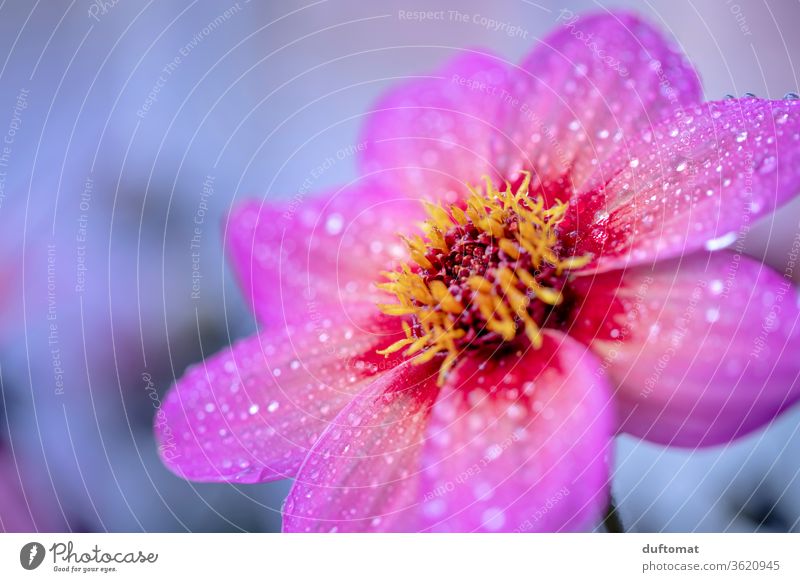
501 297
509 248
459 215
480 284
573 263
442 294
392 309
396 346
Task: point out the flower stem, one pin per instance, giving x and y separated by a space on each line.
612 521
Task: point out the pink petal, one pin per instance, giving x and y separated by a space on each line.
429 136
252 412
704 348
362 473
694 181
595 85
301 257
582 93
520 443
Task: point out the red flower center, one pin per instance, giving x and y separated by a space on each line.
489 271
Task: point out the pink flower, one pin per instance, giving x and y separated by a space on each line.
580 290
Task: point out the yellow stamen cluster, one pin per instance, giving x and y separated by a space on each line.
513 226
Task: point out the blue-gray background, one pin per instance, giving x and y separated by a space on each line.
112 142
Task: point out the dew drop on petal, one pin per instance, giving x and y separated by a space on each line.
493 518
334 224
712 314
767 165
721 242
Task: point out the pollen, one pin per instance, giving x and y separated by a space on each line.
490 270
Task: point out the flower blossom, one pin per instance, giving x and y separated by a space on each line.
562 273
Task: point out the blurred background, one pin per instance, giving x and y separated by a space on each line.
126 124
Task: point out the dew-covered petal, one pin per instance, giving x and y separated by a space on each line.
703 349
252 412
362 474
696 181
519 443
298 257
592 87
429 136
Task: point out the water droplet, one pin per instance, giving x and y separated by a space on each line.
273 406
712 314
634 163
721 242
767 165
253 409
493 518
741 137
334 224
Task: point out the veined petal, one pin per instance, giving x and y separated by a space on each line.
300 257
695 181
362 474
703 348
252 412
519 443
